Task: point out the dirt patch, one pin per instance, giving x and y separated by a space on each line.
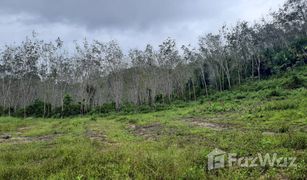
23 129
206 124
6 136
150 132
95 135
25 139
269 133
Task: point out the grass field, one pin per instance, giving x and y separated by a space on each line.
259 117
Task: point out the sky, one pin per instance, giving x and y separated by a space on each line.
133 23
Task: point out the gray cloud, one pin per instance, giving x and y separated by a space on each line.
133 22
117 13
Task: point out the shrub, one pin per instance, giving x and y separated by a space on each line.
202 100
281 105
284 129
159 98
9 110
129 108
104 109
161 107
93 118
67 101
68 109
73 109
294 82
20 112
274 93
240 96
145 109
1 111
39 109
221 107
295 141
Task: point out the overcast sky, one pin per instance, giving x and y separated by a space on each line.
134 23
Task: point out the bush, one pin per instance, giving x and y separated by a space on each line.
39 109
220 107
129 108
145 109
68 109
104 109
295 141
281 105
202 100
161 107
9 110
274 93
240 97
20 112
93 118
36 109
284 129
1 111
294 82
159 98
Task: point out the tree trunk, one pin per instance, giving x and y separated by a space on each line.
149 97
194 93
259 67
204 80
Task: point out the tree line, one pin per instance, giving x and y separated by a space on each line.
43 76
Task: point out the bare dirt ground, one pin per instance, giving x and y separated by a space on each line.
26 139
207 123
96 135
152 131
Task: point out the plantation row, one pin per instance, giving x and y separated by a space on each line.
267 116
98 76
71 108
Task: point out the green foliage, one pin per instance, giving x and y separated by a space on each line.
284 128
295 55
274 93
1 111
104 109
67 101
72 110
220 107
161 107
202 100
39 109
240 96
281 105
159 98
68 109
145 109
93 118
294 82
169 144
20 113
130 108
296 141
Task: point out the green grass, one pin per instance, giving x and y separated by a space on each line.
259 117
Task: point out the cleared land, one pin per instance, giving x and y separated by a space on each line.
261 117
